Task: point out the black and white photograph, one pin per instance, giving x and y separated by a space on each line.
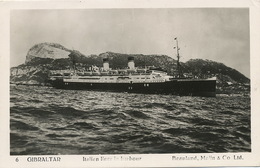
130 81
126 81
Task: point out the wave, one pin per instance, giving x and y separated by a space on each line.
175 131
31 111
19 125
47 121
83 125
137 114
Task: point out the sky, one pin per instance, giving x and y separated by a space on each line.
217 34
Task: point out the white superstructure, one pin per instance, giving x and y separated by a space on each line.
106 75
148 77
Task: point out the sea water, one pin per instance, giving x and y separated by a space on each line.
51 121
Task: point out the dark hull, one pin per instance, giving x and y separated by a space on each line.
189 87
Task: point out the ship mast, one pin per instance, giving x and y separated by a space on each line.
178 58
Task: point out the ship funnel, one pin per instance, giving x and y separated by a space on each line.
131 63
105 64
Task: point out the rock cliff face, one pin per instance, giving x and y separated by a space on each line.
31 75
42 58
47 51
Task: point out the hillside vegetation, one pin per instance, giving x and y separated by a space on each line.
43 57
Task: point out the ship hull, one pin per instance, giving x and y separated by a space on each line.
185 87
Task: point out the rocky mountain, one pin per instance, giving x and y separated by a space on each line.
46 51
45 57
201 67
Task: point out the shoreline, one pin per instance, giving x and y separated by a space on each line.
218 93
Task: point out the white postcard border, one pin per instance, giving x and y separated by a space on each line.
147 160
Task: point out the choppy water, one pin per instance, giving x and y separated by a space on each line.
50 121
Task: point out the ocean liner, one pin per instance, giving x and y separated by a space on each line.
133 79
